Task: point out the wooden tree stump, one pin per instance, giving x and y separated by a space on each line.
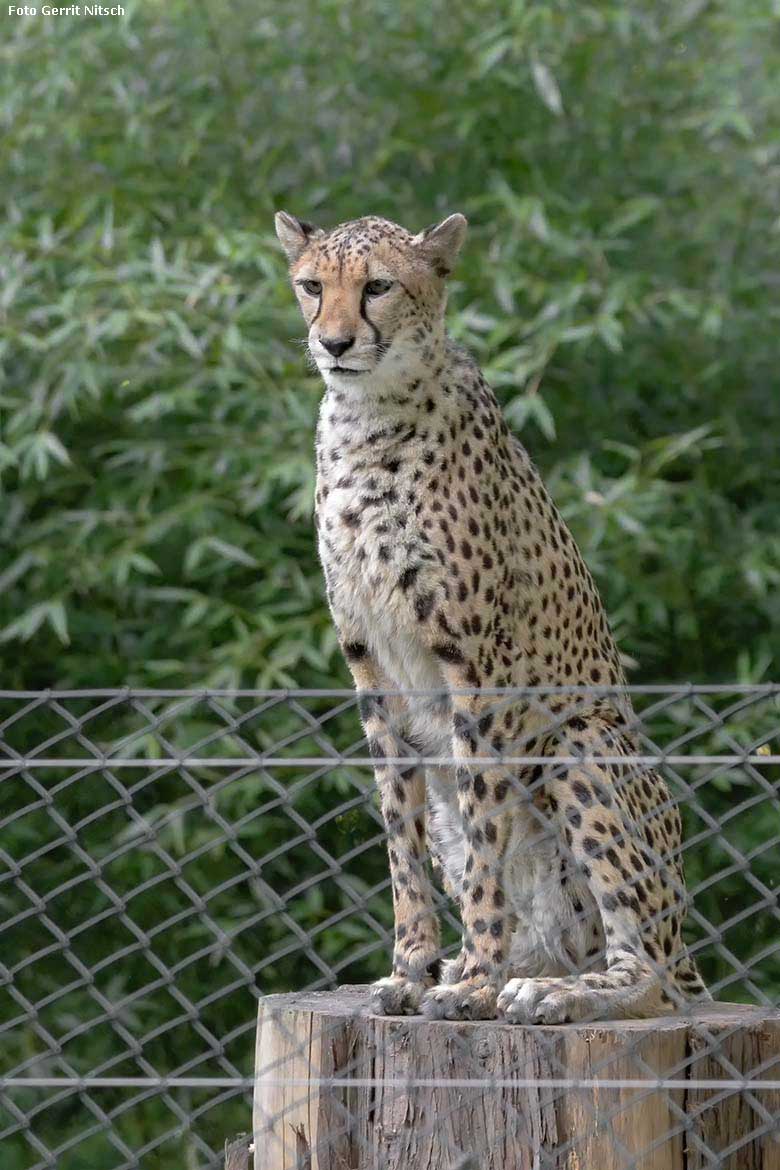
339 1089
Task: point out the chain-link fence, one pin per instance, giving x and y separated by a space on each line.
168 857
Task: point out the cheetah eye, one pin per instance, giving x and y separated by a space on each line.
312 287
376 288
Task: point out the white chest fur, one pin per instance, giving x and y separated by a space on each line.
372 547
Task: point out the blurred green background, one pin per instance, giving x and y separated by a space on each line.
620 166
620 170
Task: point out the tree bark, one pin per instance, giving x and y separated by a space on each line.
238 1153
339 1089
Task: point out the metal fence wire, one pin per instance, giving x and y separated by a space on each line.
169 857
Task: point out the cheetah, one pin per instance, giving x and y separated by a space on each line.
458 595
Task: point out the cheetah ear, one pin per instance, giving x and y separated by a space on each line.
441 242
294 234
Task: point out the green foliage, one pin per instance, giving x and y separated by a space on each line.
157 416
618 163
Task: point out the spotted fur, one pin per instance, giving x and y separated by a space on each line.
450 570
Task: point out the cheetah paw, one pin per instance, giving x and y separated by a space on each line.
396 996
543 1001
460 1001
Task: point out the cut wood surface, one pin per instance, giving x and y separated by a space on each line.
340 1089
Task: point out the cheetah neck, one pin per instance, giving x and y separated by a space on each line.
397 404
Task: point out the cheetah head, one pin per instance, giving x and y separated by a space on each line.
372 294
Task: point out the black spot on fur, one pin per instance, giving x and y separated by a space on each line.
354 651
582 792
448 652
408 577
464 729
424 605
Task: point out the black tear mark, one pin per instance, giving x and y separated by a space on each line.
378 342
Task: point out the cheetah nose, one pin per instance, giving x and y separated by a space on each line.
336 345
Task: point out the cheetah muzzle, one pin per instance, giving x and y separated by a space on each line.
449 571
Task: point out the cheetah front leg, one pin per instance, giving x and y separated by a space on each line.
476 976
402 795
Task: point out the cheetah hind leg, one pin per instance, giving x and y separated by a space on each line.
636 983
